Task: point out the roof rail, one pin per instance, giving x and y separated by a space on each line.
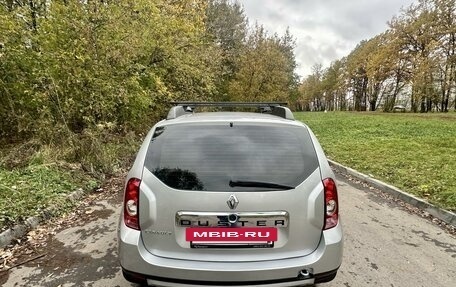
228 104
274 108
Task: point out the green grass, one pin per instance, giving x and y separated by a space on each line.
415 152
34 176
27 191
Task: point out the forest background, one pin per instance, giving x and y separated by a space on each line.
81 82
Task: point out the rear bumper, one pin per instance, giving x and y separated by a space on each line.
170 282
159 271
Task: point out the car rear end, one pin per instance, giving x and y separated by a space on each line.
230 199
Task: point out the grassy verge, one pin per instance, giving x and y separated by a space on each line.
34 177
416 153
29 190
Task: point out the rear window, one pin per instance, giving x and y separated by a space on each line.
209 157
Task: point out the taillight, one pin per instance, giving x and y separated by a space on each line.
331 204
131 203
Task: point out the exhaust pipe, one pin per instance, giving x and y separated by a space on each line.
305 273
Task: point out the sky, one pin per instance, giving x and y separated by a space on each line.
325 30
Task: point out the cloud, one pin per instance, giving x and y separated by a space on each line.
325 30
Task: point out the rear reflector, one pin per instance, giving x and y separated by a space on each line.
331 204
131 203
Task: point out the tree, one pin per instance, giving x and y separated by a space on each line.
266 69
378 70
357 73
414 30
445 53
226 25
312 91
333 84
88 63
413 63
392 63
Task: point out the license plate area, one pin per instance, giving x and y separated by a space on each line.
234 237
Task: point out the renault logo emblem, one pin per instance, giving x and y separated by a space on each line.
232 202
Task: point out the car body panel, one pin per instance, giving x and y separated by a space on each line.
160 252
301 237
134 256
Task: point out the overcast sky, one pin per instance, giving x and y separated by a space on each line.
325 30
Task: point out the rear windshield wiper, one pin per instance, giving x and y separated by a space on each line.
259 184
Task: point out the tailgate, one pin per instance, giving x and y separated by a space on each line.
200 225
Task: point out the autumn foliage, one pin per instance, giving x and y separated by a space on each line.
79 74
70 69
412 65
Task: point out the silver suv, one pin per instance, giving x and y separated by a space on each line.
230 199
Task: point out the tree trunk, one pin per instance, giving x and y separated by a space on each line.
445 105
373 105
414 104
423 106
429 105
